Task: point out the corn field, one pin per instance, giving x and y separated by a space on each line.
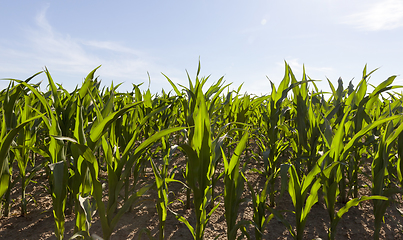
99 152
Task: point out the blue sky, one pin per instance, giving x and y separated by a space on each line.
244 41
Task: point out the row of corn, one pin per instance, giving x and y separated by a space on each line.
94 143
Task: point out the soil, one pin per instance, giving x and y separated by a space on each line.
357 223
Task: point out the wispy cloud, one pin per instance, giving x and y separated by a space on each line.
41 20
43 45
383 15
297 67
112 46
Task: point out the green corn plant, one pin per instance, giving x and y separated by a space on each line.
7 138
259 208
25 149
259 201
87 210
109 218
379 172
363 106
298 191
399 164
306 124
162 178
357 102
118 165
9 121
146 126
12 99
161 181
56 148
241 110
162 173
233 189
211 100
81 185
332 176
58 167
275 144
200 165
339 153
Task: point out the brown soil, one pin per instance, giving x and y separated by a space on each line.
39 224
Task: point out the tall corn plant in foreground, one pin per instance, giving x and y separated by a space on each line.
200 167
213 109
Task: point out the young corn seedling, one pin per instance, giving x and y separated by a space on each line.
298 190
162 178
234 185
259 208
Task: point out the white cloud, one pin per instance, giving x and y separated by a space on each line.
294 64
62 53
72 54
112 46
41 20
383 15
297 66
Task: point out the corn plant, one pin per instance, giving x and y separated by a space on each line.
379 172
162 178
315 144
259 208
84 149
273 117
26 148
162 173
298 191
200 168
7 137
234 185
306 124
13 100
